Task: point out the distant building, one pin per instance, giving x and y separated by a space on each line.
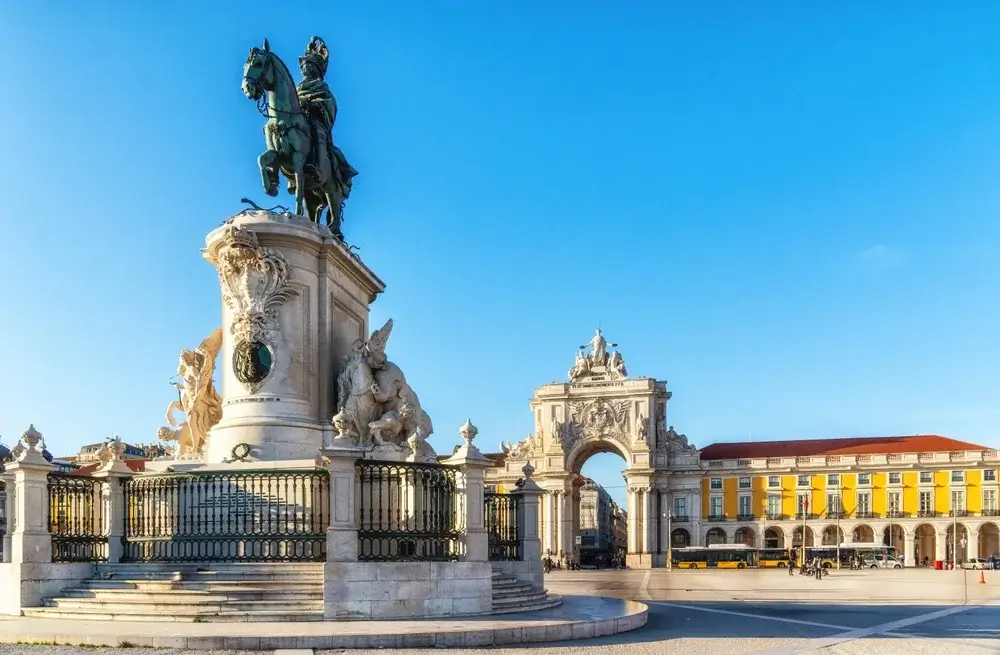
603 526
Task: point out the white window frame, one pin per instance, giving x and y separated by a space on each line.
921 480
889 480
711 484
798 503
833 479
993 500
739 483
749 505
961 477
807 484
889 509
777 504
960 493
857 502
920 495
865 484
837 505
683 504
774 486
722 507
993 471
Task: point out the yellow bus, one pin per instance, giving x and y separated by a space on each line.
773 558
716 556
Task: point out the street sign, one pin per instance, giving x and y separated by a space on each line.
579 540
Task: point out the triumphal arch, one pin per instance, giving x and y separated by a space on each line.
601 408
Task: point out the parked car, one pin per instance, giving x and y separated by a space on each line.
976 564
879 563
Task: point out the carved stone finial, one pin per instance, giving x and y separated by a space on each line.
468 432
528 471
31 438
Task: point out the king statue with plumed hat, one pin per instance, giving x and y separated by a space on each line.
319 104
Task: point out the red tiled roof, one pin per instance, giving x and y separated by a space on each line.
137 465
921 443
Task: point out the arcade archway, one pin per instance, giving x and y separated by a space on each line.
989 540
924 544
774 538
864 534
745 536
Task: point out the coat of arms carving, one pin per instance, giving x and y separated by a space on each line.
600 418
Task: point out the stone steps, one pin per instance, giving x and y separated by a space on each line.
513 595
193 593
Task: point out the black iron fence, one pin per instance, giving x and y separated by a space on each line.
407 512
75 519
253 516
502 529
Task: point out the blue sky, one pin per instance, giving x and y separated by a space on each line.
786 210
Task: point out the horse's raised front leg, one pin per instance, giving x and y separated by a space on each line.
269 172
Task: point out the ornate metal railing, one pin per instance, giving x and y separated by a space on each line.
252 516
502 530
75 519
407 512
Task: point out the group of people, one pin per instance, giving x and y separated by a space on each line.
812 566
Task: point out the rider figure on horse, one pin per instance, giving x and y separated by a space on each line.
320 107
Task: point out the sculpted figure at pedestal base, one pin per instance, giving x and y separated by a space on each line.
377 408
198 400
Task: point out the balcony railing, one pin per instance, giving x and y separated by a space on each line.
896 514
771 516
745 517
805 515
836 515
991 512
866 515
927 514
958 513
680 518
715 518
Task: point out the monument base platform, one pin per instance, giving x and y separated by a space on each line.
579 617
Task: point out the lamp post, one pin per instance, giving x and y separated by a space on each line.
954 534
839 505
670 541
805 513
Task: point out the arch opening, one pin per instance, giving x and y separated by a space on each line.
774 538
924 544
989 540
745 536
864 534
598 524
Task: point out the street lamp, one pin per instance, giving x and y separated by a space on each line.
805 512
670 541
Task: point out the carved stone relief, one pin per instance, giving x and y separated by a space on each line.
255 285
600 418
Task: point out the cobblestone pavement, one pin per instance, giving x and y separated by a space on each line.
833 617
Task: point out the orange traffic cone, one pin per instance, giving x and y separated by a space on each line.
982 578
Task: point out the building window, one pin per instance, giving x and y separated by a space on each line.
833 503
864 478
744 507
802 503
896 478
894 505
833 480
773 505
926 477
804 481
864 503
957 501
926 502
989 500
958 476
990 475
774 481
715 507
680 507
744 483
715 484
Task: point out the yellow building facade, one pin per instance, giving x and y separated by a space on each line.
928 505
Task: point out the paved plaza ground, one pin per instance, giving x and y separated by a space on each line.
764 612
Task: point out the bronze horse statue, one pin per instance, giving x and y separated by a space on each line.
290 141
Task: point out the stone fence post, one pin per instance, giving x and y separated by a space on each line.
113 473
527 526
469 502
342 535
31 542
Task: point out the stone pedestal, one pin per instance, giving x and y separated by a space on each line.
530 569
294 301
342 535
471 517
